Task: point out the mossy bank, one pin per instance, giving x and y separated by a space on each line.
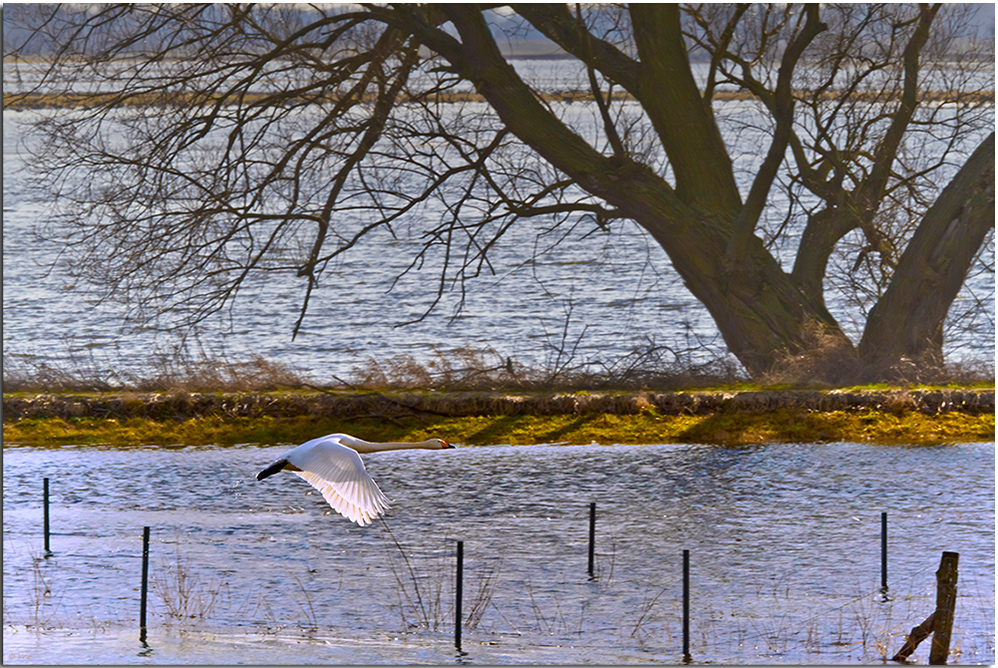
902 416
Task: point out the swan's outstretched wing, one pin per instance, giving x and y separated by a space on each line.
338 472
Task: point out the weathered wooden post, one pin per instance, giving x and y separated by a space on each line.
592 538
917 635
940 623
945 607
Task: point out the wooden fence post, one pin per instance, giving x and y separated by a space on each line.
940 623
917 635
945 607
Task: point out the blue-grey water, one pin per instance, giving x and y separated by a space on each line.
598 297
784 543
584 303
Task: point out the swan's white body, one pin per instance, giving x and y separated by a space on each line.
333 466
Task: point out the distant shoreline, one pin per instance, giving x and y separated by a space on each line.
69 100
890 416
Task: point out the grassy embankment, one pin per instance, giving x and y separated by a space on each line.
888 416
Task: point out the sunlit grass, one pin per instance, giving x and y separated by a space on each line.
649 426
476 398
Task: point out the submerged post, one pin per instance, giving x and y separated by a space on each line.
940 623
883 551
945 607
145 584
592 538
686 605
45 514
917 635
458 593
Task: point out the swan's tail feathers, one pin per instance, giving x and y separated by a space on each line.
272 469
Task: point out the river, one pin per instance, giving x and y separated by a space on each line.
784 545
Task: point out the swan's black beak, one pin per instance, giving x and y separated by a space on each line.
279 465
445 444
272 469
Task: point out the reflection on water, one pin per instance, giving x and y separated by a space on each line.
784 542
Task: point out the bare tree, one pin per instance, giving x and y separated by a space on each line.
220 142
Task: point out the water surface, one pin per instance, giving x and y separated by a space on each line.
784 543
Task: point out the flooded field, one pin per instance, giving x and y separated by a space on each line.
784 545
551 300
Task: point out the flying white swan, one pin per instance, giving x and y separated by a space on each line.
333 466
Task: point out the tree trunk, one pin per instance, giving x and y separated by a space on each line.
762 315
759 310
907 322
765 316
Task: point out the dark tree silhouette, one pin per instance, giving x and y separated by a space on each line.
200 144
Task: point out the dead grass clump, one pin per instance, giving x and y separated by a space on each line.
25 374
255 374
467 369
423 582
826 364
827 360
462 369
184 594
176 373
898 402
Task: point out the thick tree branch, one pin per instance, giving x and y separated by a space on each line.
556 23
528 119
682 120
781 104
907 321
883 162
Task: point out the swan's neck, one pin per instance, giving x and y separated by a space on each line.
367 446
